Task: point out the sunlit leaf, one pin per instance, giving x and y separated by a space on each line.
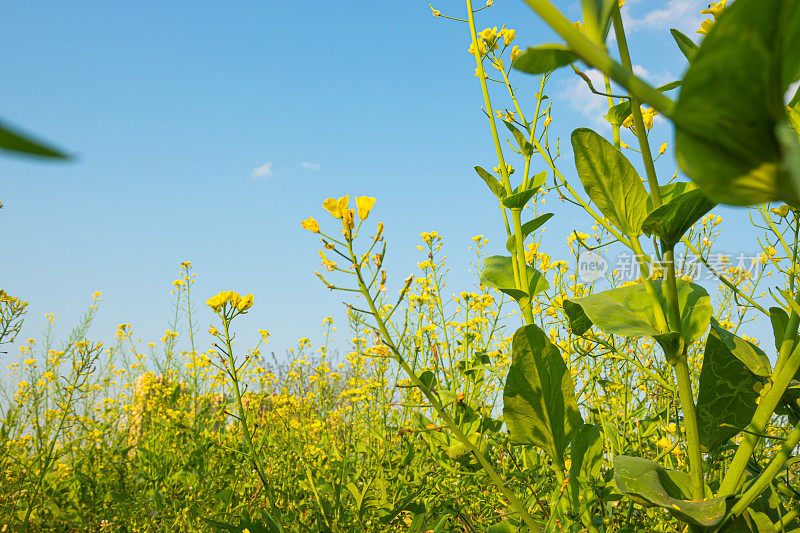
544 58
610 181
647 483
731 105
539 405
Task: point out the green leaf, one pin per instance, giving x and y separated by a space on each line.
494 185
779 319
539 405
731 104
733 373
586 452
674 218
647 483
14 140
498 273
544 58
519 196
617 114
528 228
610 181
518 200
687 46
670 191
524 145
628 311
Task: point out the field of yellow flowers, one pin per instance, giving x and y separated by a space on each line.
541 399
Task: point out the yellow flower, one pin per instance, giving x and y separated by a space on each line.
715 8
213 331
481 48
347 219
515 52
380 231
30 362
663 148
264 334
508 36
705 26
488 35
217 301
310 224
365 204
781 211
244 303
336 207
436 12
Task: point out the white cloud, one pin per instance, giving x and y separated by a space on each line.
264 171
310 166
683 15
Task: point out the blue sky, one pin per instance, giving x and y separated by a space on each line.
207 131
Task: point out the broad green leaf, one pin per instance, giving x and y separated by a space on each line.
539 405
524 145
519 197
647 483
733 373
494 185
675 217
528 228
731 105
617 114
586 452
670 191
628 311
498 273
13 140
687 46
610 181
544 58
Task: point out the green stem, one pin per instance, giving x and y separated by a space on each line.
785 520
636 112
596 56
769 473
247 437
753 431
690 424
522 274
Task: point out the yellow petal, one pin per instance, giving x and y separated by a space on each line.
365 204
310 224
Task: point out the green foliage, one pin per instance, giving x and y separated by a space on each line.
544 58
610 181
498 273
539 403
731 105
649 484
15 141
627 311
673 218
733 374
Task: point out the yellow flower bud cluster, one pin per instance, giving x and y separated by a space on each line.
232 300
647 116
714 9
